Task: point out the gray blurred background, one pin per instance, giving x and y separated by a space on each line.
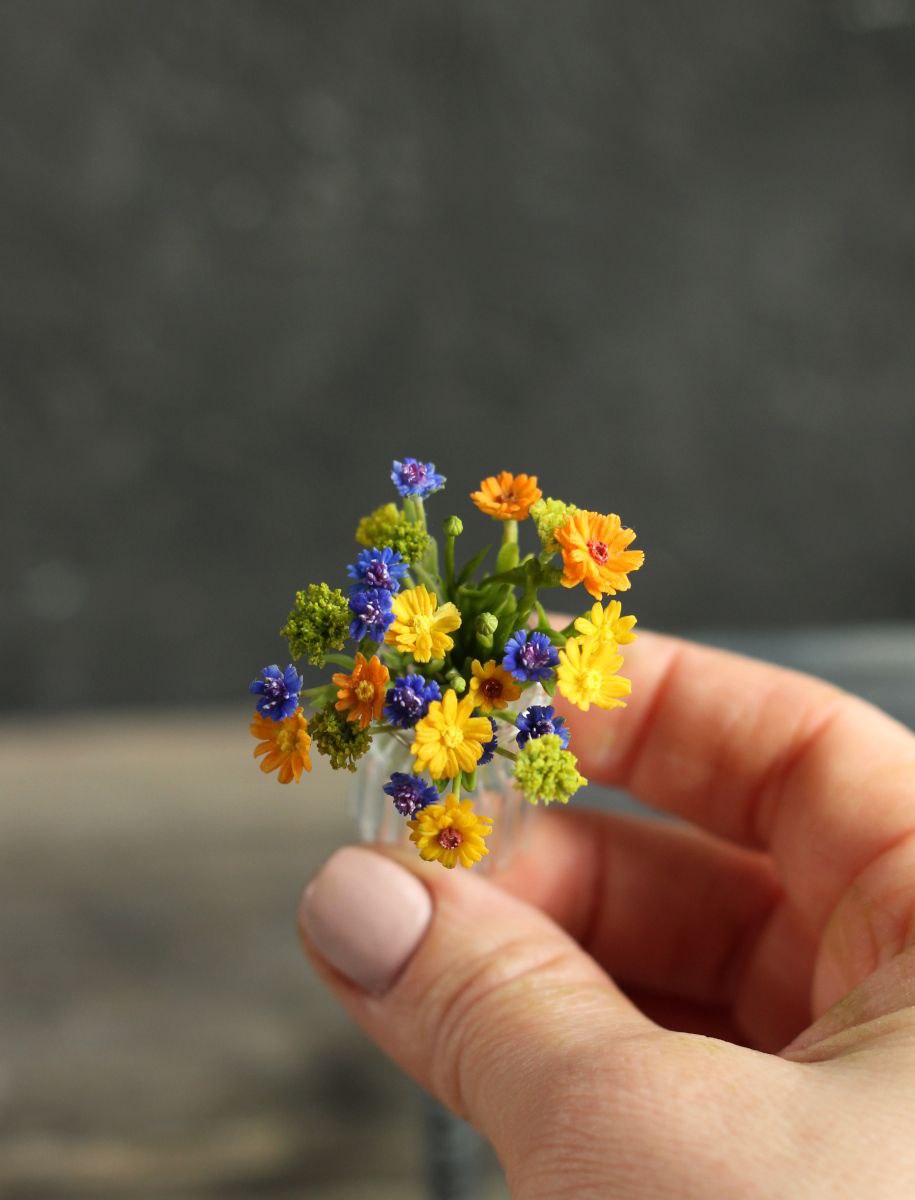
661 255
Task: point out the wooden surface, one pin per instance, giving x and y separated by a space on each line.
160 1034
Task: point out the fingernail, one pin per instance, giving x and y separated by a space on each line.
366 916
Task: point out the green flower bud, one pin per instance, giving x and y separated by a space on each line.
342 741
456 680
319 622
452 527
544 771
486 624
548 516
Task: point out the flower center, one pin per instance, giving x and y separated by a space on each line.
592 681
365 691
491 688
450 838
452 738
376 574
532 656
598 551
420 623
408 701
285 741
542 727
414 473
507 498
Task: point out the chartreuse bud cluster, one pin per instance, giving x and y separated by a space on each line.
456 663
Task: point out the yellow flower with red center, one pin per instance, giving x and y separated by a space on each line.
507 497
449 739
450 833
420 626
285 745
491 686
361 693
594 553
606 625
585 675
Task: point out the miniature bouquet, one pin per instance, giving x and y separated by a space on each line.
457 664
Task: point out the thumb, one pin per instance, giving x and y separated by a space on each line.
478 996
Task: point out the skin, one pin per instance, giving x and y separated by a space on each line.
720 1006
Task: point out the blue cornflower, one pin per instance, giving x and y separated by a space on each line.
530 657
490 747
378 569
410 793
278 691
537 720
413 478
372 614
408 700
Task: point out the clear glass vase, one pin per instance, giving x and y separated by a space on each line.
495 796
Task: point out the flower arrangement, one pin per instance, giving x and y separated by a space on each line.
454 663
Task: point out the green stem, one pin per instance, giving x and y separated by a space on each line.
509 533
340 660
500 715
456 787
544 621
449 563
506 753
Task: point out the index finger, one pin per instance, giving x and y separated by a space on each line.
760 755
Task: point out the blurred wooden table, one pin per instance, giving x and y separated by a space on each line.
160 1034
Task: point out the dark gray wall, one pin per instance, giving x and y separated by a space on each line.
661 254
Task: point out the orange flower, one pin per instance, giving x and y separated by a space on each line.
507 497
286 744
594 553
362 692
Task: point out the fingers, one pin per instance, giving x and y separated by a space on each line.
663 907
480 997
760 755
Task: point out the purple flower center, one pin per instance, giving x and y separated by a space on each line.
414 473
377 574
531 656
541 727
406 801
275 690
408 701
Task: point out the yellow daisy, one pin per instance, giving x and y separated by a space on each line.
450 833
491 686
594 553
285 744
605 626
420 627
586 675
448 739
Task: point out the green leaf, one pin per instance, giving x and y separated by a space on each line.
507 557
469 780
469 567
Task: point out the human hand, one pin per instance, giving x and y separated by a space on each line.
774 933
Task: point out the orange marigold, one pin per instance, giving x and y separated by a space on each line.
507 497
594 553
285 744
361 694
